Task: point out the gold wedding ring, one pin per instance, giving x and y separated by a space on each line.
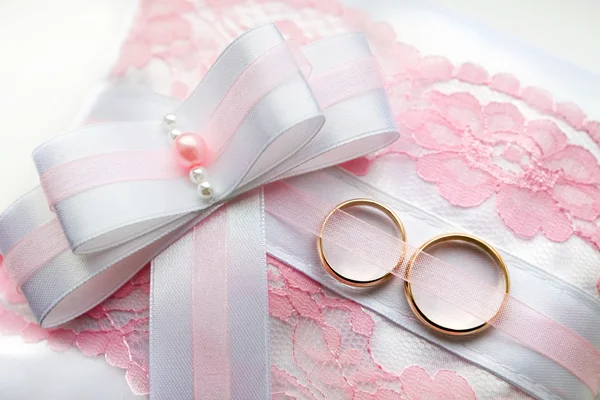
447 238
358 203
460 237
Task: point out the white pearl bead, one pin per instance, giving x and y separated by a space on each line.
205 191
169 122
173 133
197 175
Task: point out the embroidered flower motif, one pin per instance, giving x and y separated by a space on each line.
538 179
331 347
473 151
118 329
329 340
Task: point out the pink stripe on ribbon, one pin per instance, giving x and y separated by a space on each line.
516 319
90 172
48 241
469 293
345 81
209 308
260 78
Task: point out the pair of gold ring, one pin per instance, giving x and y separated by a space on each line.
489 250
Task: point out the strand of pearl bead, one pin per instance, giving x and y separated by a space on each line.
190 151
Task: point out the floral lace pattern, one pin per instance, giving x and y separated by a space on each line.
463 144
330 342
472 151
331 348
321 344
117 329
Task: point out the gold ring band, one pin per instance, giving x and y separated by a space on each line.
446 238
357 203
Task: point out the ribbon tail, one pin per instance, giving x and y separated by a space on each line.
209 320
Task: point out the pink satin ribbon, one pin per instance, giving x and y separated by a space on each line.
35 250
74 177
209 308
363 240
516 319
467 292
256 81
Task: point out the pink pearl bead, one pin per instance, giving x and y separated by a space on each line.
190 150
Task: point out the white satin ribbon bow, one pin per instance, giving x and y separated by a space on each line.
118 202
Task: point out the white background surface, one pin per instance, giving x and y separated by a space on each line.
52 53
567 29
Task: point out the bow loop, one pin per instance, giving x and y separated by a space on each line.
254 109
111 183
118 195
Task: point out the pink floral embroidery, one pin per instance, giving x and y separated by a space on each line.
330 343
472 151
332 360
331 337
117 330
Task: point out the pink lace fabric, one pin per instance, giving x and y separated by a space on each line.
330 343
472 151
117 329
324 346
327 340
